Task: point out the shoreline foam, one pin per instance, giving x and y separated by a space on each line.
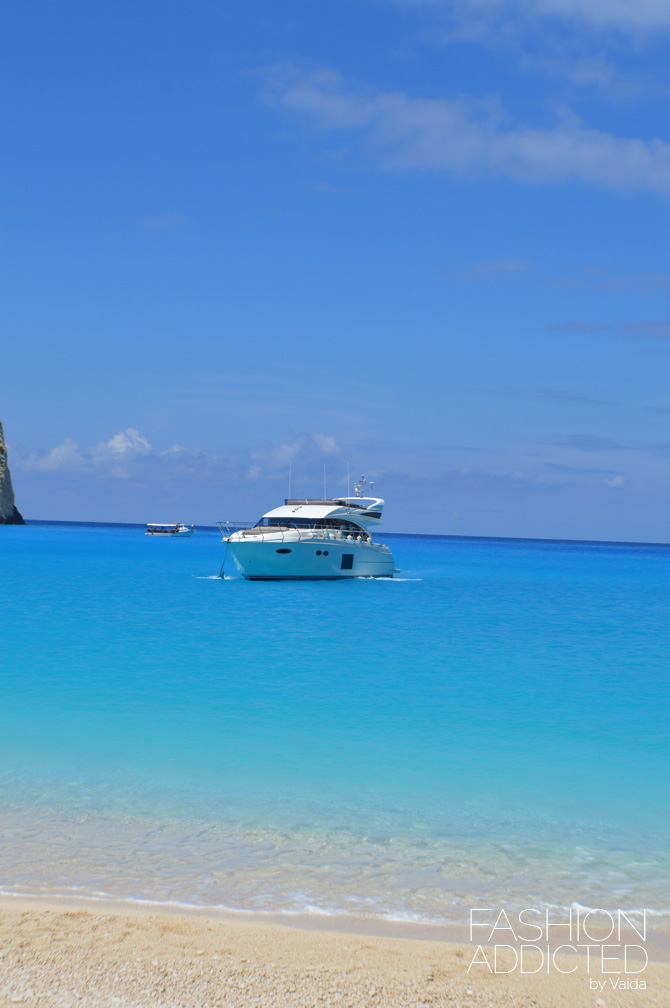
657 942
107 956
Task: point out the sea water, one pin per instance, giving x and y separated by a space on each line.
488 728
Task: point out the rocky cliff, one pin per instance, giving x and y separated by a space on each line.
8 513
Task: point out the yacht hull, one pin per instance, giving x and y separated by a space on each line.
315 560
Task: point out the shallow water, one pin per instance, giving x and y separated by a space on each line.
490 726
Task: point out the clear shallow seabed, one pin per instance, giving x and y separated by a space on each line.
490 728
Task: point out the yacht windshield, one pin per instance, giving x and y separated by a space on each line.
310 523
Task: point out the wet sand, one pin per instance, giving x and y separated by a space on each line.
121 956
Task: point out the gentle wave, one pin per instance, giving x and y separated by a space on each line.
307 909
278 870
494 733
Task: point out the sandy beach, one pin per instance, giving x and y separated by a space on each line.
105 956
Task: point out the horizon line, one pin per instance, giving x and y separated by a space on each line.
417 535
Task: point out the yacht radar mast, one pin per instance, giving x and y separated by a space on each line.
362 485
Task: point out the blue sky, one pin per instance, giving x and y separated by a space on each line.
428 238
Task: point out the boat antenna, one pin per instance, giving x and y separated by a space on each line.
289 480
348 482
324 480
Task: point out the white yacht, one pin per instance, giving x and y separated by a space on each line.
312 539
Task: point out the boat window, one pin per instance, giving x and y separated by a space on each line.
309 523
347 561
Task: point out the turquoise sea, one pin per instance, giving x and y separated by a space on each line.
489 728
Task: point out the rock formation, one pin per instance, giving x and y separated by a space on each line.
8 512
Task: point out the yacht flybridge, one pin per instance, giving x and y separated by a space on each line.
312 539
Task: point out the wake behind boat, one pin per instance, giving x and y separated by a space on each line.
171 530
311 539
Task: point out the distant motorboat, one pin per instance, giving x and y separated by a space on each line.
171 530
312 539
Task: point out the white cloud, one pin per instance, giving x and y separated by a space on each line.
463 134
65 457
616 481
592 277
112 457
326 443
129 455
637 14
125 444
624 15
493 270
273 460
578 42
121 449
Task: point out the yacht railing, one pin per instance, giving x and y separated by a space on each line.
230 527
282 533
